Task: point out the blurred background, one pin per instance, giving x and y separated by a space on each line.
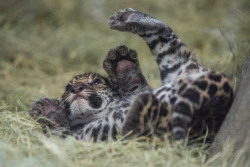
44 43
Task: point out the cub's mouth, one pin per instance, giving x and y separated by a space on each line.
78 97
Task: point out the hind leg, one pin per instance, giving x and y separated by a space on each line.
169 51
147 116
201 104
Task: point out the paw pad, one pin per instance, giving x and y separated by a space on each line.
123 69
120 60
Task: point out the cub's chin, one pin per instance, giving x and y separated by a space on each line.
79 106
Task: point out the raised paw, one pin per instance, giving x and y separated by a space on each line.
45 107
123 69
118 19
136 22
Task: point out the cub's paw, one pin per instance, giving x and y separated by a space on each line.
123 69
118 20
45 107
136 22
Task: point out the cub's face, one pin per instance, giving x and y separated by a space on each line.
87 92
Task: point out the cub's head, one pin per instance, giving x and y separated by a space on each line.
87 92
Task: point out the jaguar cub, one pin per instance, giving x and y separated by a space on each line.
94 107
191 96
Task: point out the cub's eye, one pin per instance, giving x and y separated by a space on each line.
68 87
96 82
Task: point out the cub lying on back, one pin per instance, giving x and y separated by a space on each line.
191 96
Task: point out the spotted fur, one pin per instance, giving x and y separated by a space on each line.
191 96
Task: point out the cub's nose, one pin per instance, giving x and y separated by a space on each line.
77 89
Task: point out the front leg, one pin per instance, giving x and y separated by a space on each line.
50 112
104 129
124 72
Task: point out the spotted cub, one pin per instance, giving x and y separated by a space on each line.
191 96
94 107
